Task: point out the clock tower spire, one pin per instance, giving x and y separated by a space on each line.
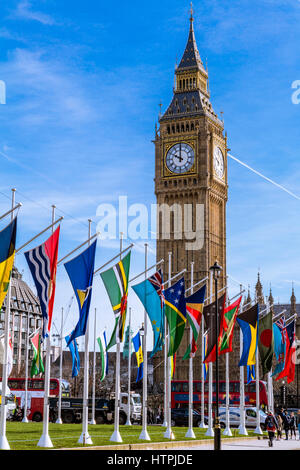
191 177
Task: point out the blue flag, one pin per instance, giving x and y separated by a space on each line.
250 374
75 356
81 273
136 340
151 300
279 348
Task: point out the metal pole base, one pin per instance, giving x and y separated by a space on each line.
4 445
25 420
165 424
144 435
116 437
258 430
128 423
243 431
169 434
58 421
45 441
190 434
92 421
210 432
203 425
85 439
227 432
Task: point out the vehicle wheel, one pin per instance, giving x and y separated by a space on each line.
37 417
122 419
99 419
68 417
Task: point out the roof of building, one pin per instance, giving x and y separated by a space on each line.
23 299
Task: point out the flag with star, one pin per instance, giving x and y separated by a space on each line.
279 344
81 273
150 294
175 311
194 309
209 313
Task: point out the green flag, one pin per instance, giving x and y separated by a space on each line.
115 281
175 311
37 366
266 342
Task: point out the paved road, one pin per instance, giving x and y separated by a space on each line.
253 444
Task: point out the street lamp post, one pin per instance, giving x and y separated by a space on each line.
216 270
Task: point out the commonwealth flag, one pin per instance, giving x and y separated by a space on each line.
279 345
42 262
266 342
115 281
290 360
104 355
136 340
175 310
7 255
209 313
75 355
248 322
227 325
81 273
37 366
148 293
194 309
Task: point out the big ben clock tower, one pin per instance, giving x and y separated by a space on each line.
191 181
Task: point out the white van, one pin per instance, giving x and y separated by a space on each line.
234 417
10 401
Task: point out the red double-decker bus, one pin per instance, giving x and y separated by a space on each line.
35 394
180 393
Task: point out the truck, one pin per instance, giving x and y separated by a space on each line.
72 409
10 402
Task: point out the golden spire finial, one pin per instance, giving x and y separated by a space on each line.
191 17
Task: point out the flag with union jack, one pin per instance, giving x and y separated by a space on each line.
42 262
157 281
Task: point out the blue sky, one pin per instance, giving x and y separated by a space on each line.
84 82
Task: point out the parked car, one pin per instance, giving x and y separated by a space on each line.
180 417
234 417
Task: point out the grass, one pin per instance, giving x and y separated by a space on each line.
25 436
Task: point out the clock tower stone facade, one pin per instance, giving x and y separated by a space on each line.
190 186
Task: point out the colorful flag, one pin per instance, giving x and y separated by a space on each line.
150 294
75 355
115 281
250 374
205 365
194 310
81 273
37 366
104 355
42 262
7 256
175 311
266 342
289 362
248 322
136 340
209 313
279 347
173 365
157 281
227 325
10 353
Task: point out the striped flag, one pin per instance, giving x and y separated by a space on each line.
194 309
104 355
205 364
157 281
136 340
42 262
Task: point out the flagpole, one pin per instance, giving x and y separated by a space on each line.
202 425
128 422
258 428
25 419
242 427
190 433
94 373
168 433
59 420
270 380
116 436
4 445
227 430
165 423
144 434
210 430
85 438
45 440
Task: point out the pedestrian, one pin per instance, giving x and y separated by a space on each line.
286 424
298 419
293 425
279 426
271 426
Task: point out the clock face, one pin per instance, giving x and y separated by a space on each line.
218 162
180 158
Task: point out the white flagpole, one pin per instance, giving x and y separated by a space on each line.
144 434
4 445
165 422
190 432
128 422
85 438
258 428
25 419
242 427
116 436
94 373
210 430
59 420
45 440
168 433
227 430
202 425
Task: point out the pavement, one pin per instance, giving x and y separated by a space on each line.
250 444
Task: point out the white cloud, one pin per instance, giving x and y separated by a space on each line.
25 11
